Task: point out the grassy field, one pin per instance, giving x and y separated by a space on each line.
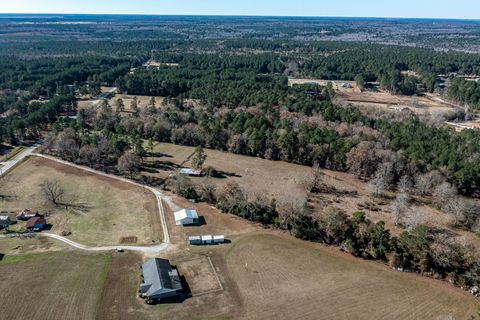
119 295
383 101
286 183
257 176
273 276
103 210
51 285
18 246
290 279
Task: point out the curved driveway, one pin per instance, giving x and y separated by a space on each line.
145 249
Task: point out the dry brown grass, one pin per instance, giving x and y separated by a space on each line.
383 101
199 274
286 183
18 246
280 278
119 295
104 210
51 285
215 222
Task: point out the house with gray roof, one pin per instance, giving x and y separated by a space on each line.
160 280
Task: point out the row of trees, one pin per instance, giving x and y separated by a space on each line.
421 249
464 91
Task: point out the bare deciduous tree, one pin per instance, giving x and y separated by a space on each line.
400 206
53 191
128 163
382 179
405 185
444 193
425 183
456 208
315 183
363 159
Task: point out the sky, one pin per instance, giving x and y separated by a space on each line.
459 9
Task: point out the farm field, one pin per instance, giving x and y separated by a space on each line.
53 286
285 182
143 101
305 281
428 104
101 211
301 281
118 299
16 246
255 175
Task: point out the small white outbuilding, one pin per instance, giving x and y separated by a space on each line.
186 217
208 239
219 239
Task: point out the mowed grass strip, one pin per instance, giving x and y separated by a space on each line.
282 278
59 285
105 209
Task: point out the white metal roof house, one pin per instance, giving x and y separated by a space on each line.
159 280
186 217
191 172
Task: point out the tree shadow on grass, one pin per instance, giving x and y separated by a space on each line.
162 165
158 155
219 174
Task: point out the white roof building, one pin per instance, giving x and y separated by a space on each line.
207 239
186 217
219 239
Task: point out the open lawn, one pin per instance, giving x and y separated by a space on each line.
51 285
289 279
29 245
100 211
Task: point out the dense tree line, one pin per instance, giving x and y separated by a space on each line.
384 64
421 249
47 76
464 91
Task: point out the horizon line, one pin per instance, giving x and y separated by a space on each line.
235 15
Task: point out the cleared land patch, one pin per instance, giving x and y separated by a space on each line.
255 175
118 300
289 279
200 275
286 183
103 210
428 104
51 285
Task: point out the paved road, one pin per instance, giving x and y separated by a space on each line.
8 165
